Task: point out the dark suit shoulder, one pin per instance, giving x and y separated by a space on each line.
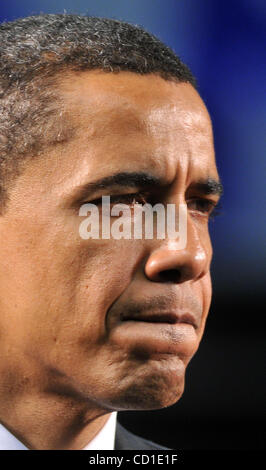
126 440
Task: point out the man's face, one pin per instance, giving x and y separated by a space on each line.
111 322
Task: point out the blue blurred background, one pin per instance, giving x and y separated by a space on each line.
223 43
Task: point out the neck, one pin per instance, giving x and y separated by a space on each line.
51 418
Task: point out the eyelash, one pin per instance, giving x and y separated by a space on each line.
212 209
125 199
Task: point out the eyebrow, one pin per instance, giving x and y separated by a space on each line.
123 180
143 180
209 186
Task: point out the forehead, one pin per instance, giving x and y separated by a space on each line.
128 119
122 123
127 95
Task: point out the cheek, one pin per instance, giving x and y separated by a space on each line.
97 275
108 265
204 292
207 293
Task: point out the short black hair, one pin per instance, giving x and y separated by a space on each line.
34 51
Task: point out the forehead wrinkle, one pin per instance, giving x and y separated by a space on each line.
117 121
109 114
116 109
114 116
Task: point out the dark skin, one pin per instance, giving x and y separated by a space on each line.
70 351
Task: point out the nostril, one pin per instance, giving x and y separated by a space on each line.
170 275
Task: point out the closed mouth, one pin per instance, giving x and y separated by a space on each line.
166 317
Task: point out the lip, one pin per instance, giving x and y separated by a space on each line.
169 317
152 338
157 325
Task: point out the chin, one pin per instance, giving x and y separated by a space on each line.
136 398
150 391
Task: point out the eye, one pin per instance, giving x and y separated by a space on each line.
129 199
203 207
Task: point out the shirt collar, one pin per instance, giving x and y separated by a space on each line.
8 441
104 440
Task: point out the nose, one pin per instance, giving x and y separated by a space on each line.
165 264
